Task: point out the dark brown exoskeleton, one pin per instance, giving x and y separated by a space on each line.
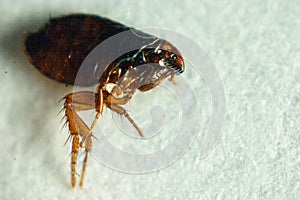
59 49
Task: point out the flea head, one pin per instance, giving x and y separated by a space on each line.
170 57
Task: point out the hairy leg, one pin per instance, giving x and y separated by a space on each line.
75 102
122 111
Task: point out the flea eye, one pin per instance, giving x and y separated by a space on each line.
173 56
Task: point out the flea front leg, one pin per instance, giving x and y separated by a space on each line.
122 111
75 102
113 104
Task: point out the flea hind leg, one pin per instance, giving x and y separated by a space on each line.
75 102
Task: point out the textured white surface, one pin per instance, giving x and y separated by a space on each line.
256 48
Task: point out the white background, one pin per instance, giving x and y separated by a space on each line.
256 48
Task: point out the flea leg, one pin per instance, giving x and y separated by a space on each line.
122 111
172 79
75 146
83 168
75 102
88 145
